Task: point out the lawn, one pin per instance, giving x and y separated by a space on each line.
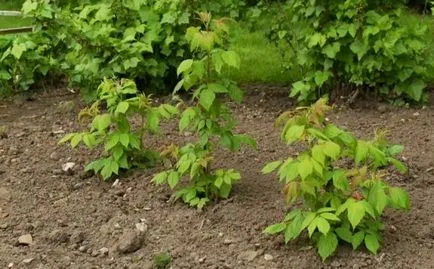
11 22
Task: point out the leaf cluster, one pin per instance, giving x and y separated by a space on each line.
363 45
113 128
339 179
210 119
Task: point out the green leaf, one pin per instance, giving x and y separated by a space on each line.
66 138
122 107
332 150
112 141
321 77
184 66
76 140
322 224
18 49
361 151
224 191
340 181
371 243
173 179
378 198
415 89
330 216
357 239
395 149
101 122
356 212
186 118
332 50
305 168
270 167
344 234
160 178
207 98
231 58
124 139
399 198
294 133
398 165
308 220
275 228
327 245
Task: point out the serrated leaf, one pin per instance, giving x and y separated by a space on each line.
340 181
323 225
160 178
207 98
330 216
361 151
305 168
327 245
184 66
18 49
332 150
355 212
378 198
275 228
124 139
270 167
357 239
231 58
173 179
399 198
122 107
344 234
112 141
294 133
307 220
398 165
371 243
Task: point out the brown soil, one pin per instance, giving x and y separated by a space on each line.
72 218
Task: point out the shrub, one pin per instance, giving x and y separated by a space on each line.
209 118
355 45
123 143
339 181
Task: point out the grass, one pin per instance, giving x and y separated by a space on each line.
11 22
261 62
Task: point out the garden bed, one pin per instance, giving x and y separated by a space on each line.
77 221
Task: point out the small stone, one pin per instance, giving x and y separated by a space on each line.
4 226
104 251
86 174
25 239
130 242
94 253
82 248
335 264
268 257
10 265
68 168
57 172
5 195
27 261
248 255
415 114
382 108
356 266
77 186
147 208
54 156
141 227
116 183
227 242
201 260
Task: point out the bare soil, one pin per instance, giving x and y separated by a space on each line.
76 221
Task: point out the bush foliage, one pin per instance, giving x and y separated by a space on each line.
355 45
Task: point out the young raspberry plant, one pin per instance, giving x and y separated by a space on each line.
339 181
209 119
123 144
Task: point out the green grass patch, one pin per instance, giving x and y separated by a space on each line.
12 22
261 62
